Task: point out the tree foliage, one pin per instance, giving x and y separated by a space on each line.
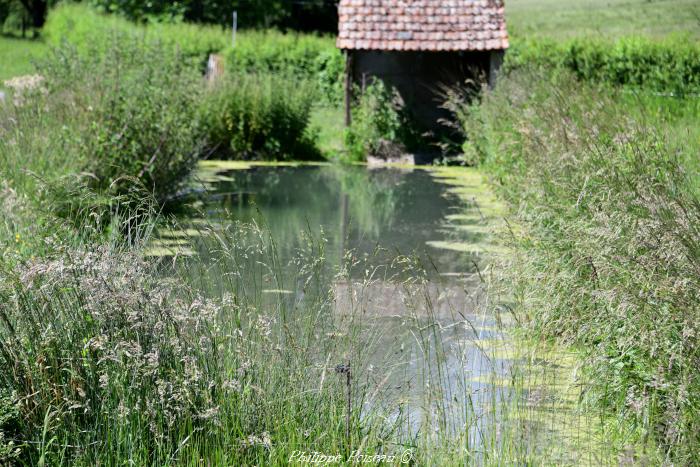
318 15
31 11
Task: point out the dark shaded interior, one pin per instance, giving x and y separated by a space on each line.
421 78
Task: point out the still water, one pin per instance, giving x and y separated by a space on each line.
405 251
394 211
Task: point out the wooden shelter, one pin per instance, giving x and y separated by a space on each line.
420 46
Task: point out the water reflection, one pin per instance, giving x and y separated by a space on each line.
400 254
397 212
385 270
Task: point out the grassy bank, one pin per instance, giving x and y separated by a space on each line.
607 194
136 367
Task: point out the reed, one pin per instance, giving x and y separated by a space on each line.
607 196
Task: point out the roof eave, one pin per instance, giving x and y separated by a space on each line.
504 46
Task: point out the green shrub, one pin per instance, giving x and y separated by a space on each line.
669 65
609 210
142 105
102 130
378 126
93 32
260 116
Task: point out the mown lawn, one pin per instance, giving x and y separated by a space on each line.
609 18
16 56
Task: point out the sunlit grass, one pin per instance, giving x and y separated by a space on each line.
329 124
567 18
16 56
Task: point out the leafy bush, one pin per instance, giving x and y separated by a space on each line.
378 126
142 107
102 129
260 116
668 65
93 32
304 56
609 210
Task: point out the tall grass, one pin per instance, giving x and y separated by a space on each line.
227 358
260 116
93 131
610 211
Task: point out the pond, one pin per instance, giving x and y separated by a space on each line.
396 211
398 259
418 240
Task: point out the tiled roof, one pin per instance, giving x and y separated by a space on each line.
422 25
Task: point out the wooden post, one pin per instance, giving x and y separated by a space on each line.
234 28
348 86
495 62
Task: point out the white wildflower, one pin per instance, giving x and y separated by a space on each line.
232 385
258 440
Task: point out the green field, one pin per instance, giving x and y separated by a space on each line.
16 56
608 18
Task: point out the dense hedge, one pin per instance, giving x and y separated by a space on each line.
296 55
89 30
304 56
668 65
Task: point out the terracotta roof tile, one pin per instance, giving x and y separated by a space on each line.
422 25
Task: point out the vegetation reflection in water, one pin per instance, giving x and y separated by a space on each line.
392 268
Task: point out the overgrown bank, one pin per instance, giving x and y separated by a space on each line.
605 186
606 195
260 108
